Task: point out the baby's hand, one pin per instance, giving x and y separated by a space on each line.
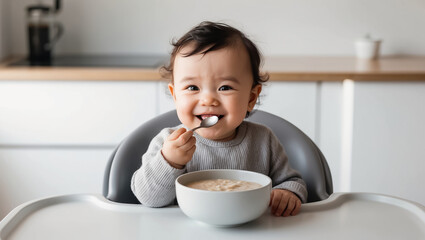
179 147
284 203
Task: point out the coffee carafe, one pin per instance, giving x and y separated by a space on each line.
43 32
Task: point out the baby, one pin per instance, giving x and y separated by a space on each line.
214 71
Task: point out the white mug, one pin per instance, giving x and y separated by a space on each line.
367 48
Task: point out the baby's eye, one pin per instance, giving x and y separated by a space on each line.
192 88
225 88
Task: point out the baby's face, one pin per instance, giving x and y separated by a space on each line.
218 83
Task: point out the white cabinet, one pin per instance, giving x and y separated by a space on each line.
388 151
373 134
56 136
329 130
29 173
73 112
293 101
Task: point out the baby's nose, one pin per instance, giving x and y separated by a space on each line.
209 99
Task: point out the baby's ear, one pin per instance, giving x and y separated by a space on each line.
255 92
171 88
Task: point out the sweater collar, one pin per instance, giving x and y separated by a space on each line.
240 135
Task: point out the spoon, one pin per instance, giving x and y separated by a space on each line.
207 122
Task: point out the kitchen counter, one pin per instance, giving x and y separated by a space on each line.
290 68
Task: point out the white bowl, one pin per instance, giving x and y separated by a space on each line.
223 208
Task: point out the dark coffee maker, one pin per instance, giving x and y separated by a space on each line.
43 32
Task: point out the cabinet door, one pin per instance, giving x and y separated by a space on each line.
73 112
30 173
388 139
293 101
330 128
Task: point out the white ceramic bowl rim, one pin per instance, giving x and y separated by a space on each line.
263 185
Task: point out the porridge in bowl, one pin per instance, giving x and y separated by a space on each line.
226 185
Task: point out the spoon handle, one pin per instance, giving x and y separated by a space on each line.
193 129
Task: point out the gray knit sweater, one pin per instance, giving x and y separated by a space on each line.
255 148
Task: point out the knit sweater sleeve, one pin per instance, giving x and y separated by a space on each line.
281 173
154 182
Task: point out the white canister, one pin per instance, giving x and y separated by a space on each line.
367 48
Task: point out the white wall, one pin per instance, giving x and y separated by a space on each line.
309 27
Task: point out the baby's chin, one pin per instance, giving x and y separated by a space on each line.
214 135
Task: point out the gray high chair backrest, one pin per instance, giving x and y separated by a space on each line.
303 155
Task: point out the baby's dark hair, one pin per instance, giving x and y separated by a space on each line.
210 36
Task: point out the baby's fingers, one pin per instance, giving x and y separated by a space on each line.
290 207
180 137
176 134
184 139
297 208
189 144
281 207
275 202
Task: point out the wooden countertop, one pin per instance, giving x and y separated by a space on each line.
288 68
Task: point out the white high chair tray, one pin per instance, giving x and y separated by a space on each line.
342 216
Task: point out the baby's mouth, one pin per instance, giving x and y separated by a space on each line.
203 116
